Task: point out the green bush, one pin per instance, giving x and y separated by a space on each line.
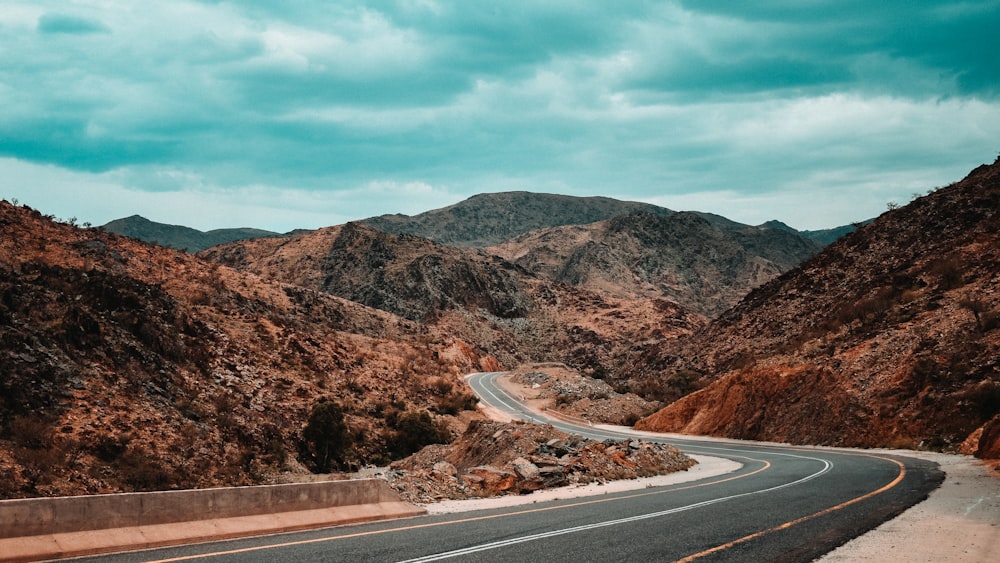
326 436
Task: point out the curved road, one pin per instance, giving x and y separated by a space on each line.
784 504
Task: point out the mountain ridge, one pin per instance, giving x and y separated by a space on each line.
682 256
180 237
481 220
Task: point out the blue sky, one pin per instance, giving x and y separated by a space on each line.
297 113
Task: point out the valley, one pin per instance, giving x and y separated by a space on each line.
131 366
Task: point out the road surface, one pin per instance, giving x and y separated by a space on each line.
784 504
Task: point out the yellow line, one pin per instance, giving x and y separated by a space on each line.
786 525
764 467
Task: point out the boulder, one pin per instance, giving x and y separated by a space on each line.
525 469
494 480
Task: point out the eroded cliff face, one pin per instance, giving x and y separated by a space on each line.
890 336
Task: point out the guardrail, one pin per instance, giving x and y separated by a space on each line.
45 528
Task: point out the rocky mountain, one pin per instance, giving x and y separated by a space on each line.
403 274
889 337
626 249
129 366
505 310
703 264
823 237
488 219
179 237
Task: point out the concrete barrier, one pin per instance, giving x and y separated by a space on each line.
48 528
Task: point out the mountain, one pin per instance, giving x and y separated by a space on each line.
703 263
129 366
488 219
482 220
179 237
403 274
508 312
888 337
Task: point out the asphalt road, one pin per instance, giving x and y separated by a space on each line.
784 504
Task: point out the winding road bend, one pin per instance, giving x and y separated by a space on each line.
784 504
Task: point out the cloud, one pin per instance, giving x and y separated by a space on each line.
74 25
203 101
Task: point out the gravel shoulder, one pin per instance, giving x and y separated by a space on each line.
959 522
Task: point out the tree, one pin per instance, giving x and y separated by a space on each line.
326 435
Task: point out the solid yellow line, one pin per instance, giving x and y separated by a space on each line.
786 525
766 465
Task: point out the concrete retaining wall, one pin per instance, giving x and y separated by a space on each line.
48 524
29 517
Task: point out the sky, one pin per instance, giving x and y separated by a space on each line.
301 114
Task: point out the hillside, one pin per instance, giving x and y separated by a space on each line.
481 298
179 237
683 257
889 337
128 366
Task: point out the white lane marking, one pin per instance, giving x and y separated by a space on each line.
523 539
489 390
827 466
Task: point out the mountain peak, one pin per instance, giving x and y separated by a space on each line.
490 218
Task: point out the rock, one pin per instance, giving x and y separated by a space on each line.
446 468
525 469
494 480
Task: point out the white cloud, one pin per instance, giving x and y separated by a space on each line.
282 115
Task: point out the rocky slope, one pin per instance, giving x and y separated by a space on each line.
177 236
703 264
128 366
561 391
402 274
506 311
888 337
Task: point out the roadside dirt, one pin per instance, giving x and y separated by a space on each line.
958 523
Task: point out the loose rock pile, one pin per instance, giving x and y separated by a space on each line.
493 459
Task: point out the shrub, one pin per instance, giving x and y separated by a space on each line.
986 398
414 430
456 402
326 435
31 432
141 472
949 271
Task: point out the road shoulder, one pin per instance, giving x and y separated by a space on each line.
959 522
